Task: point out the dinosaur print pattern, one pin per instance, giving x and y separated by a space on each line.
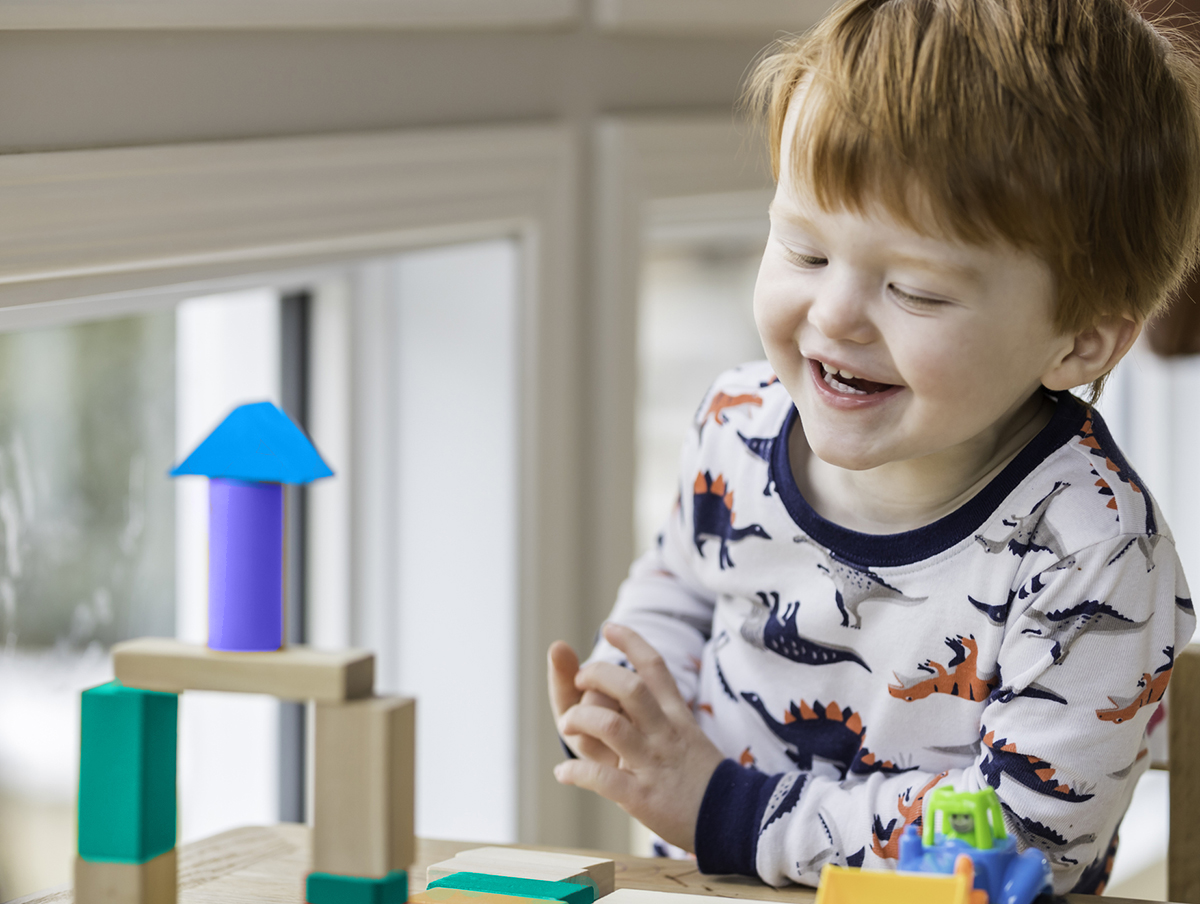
1030 533
1063 627
855 585
712 516
885 840
828 733
1003 759
958 678
722 402
819 674
767 631
762 447
1153 687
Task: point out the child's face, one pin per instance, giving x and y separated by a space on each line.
946 341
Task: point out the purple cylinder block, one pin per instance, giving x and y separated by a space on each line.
245 565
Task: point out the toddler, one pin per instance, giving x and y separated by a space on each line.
904 554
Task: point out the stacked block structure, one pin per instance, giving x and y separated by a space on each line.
365 745
496 875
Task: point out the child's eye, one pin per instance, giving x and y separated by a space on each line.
919 301
805 260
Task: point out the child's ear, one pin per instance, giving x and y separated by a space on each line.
1096 351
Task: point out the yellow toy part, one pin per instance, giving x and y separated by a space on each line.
847 885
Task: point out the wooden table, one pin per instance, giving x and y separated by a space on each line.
266 865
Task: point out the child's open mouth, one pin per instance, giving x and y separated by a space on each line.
849 384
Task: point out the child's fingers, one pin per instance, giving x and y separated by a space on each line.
647 662
627 688
607 781
607 726
561 666
589 748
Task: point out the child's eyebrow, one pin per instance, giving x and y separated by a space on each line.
933 265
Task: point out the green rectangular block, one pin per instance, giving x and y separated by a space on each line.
330 888
568 892
127 754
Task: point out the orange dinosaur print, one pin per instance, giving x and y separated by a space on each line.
1088 440
885 841
747 758
723 401
1152 689
705 708
960 680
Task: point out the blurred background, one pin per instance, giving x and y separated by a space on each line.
499 366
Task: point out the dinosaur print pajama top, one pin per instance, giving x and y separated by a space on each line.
1022 642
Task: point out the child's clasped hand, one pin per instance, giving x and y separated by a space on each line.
636 738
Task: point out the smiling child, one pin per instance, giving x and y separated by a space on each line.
905 555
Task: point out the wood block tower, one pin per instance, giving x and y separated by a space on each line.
365 745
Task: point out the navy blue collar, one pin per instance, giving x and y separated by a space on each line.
924 542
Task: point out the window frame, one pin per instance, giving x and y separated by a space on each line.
96 234
237 14
644 163
717 17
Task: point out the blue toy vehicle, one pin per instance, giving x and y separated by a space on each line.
971 823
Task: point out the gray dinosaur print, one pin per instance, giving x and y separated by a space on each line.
1030 533
1062 626
854 585
1033 834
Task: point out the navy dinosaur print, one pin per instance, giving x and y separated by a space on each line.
831 854
1185 604
1034 834
767 631
866 763
854 585
763 447
784 798
822 732
1029 533
1062 626
1034 691
712 516
997 615
1002 758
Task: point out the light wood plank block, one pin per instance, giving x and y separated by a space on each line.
643 896
364 786
461 896
293 673
152 882
1183 724
545 865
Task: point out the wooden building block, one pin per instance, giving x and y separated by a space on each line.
293 673
514 867
364 752
127 751
550 865
152 882
645 896
326 888
1183 727
462 896
567 892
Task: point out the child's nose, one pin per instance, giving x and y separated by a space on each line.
839 311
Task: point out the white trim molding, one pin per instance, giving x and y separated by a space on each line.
721 17
247 14
97 232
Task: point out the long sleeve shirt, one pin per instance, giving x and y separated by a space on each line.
1022 642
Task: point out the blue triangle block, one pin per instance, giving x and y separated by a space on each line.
256 442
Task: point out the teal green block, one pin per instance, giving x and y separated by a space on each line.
330 888
568 892
128 744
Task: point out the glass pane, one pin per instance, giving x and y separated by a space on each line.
695 319
87 425
456 351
